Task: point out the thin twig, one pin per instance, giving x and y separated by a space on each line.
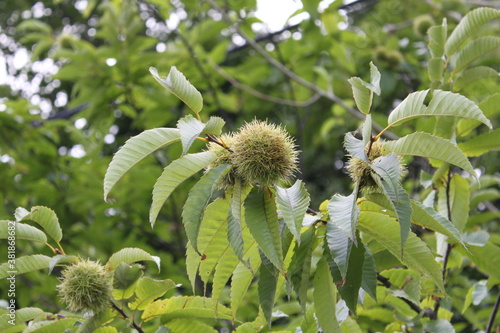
120 311
386 283
260 95
493 314
448 246
285 70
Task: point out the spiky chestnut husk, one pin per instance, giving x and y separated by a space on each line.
86 286
388 58
421 24
264 154
223 157
359 170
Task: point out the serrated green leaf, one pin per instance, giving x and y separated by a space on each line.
174 174
350 325
349 285
23 265
242 277
148 290
367 129
435 69
135 150
481 144
355 147
430 146
437 39
467 26
130 255
325 298
234 235
476 238
428 218
212 240
387 169
22 316
443 103
214 126
247 328
362 95
369 278
97 320
455 199
222 272
106 329
190 128
125 280
374 79
405 283
55 260
47 219
475 295
474 74
340 246
60 325
262 220
198 198
189 326
267 288
217 243
486 258
293 203
489 194
416 254
192 264
489 107
20 213
344 213
300 267
21 231
474 50
237 218
34 25
178 85
184 307
439 326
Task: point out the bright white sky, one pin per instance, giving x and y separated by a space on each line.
275 12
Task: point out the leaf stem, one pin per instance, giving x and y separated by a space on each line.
120 311
60 249
382 132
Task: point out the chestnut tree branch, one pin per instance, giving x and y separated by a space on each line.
285 70
260 95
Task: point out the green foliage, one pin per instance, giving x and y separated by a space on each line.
395 254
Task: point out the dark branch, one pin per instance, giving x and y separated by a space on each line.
426 313
120 311
493 315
